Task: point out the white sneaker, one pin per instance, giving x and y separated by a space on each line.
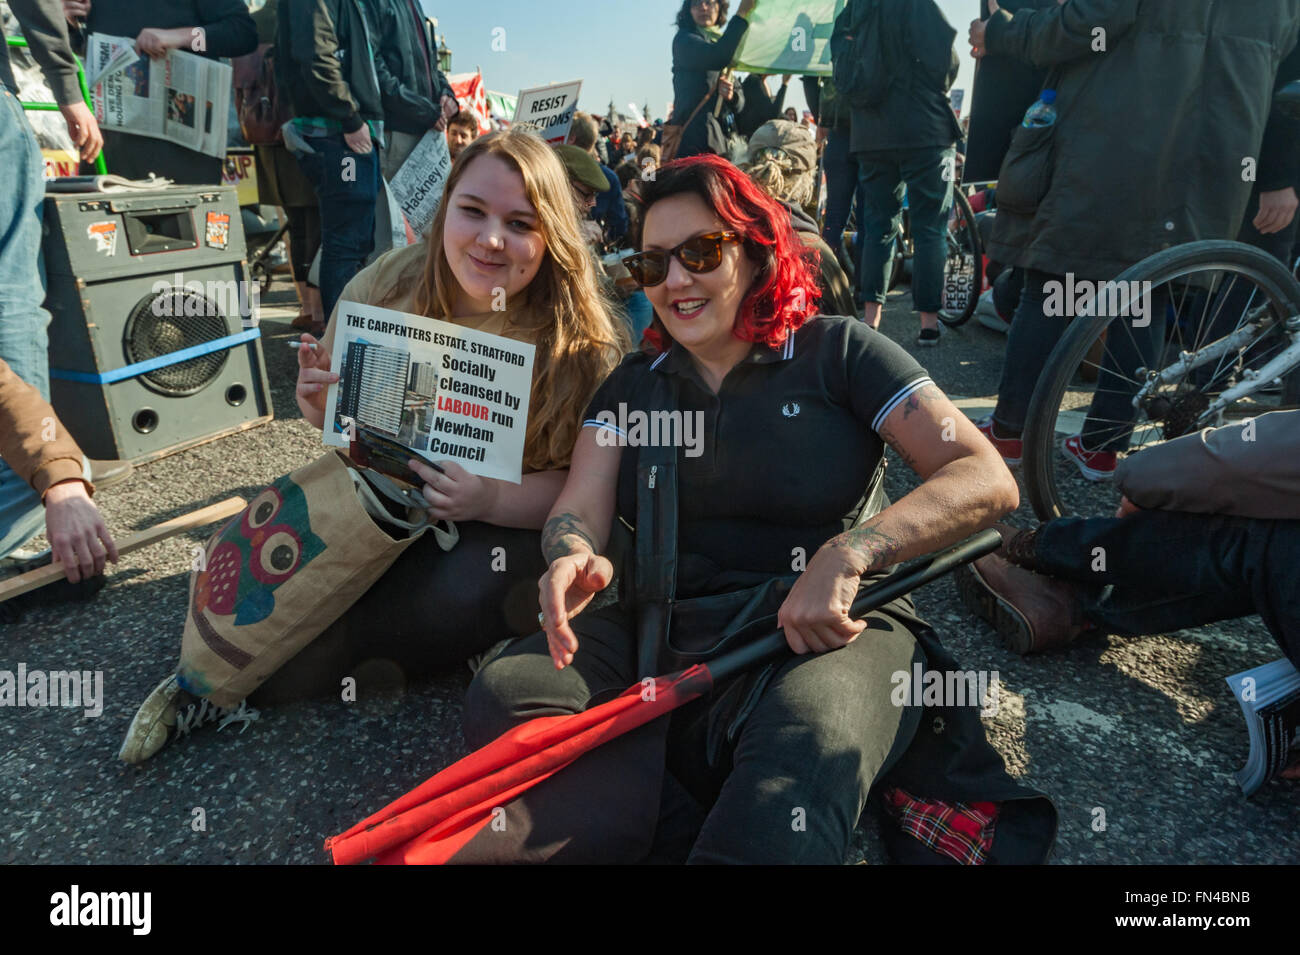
169 706
987 314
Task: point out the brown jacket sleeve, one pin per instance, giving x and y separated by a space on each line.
1250 469
32 439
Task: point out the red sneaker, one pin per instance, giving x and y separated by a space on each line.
1011 449
1093 465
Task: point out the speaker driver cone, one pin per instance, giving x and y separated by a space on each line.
166 322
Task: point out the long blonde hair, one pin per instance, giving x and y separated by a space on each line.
578 342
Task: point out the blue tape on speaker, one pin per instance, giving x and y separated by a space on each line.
162 361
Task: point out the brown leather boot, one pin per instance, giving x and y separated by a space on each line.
1031 612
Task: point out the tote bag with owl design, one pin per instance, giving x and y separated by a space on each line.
274 577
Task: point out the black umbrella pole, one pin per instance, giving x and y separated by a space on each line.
898 584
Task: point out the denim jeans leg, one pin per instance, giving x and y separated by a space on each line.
1030 340
347 185
841 183
929 198
24 323
1128 347
879 219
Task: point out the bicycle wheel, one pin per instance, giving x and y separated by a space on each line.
963 273
1230 318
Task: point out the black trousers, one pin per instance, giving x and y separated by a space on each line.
788 789
432 610
1167 570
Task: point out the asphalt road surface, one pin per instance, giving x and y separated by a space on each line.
1136 740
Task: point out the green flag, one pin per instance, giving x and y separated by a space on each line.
789 36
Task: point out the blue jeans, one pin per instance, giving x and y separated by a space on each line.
1030 341
1226 567
841 186
347 193
882 176
24 341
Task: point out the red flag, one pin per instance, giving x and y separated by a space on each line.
472 95
431 822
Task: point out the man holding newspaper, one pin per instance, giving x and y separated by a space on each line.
154 71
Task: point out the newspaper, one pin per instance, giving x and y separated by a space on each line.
439 391
181 97
417 187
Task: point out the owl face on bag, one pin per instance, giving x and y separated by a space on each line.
255 554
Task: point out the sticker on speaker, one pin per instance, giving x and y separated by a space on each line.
217 234
104 235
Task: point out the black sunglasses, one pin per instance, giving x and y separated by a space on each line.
703 253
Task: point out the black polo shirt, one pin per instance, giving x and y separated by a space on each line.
788 445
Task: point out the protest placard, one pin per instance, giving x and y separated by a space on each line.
417 187
549 109
442 392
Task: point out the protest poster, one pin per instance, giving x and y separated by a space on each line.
789 36
181 97
417 188
549 109
440 391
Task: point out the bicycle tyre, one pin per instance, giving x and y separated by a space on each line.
1039 437
953 318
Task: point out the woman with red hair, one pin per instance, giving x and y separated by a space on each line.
779 419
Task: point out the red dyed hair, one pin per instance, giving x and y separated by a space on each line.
785 289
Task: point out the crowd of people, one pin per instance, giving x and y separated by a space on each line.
697 267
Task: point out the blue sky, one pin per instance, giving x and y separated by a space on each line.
618 48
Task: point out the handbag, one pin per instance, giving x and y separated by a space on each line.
274 577
672 138
258 103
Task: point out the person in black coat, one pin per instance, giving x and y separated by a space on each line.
224 28
700 54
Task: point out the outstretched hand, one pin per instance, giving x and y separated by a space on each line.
977 32
564 591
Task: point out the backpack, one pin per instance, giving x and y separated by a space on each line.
258 103
859 64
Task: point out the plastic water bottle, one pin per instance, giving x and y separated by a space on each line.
1043 112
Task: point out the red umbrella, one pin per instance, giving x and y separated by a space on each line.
434 821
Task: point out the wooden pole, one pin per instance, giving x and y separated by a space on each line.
186 522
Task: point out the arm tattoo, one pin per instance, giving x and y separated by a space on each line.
560 535
908 458
869 547
919 397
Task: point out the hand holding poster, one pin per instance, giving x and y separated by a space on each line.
549 109
442 392
417 187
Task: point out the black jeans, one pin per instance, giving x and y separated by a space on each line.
789 790
1156 571
1033 335
430 611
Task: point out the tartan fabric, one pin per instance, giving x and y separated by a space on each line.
961 831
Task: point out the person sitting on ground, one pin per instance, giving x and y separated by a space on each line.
507 222
801 408
34 443
782 160
462 129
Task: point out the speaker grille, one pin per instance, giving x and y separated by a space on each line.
166 322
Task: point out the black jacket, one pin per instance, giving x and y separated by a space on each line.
324 61
1279 156
1146 152
760 106
410 84
915 112
697 61
228 29
46 32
